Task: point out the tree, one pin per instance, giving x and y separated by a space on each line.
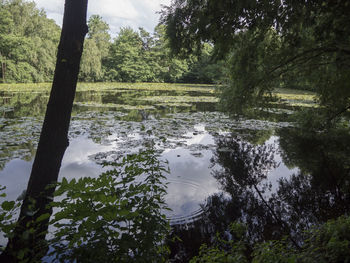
98 31
269 44
125 57
91 62
204 68
171 69
96 50
140 56
150 57
27 42
28 240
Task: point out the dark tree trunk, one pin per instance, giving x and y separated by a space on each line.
53 140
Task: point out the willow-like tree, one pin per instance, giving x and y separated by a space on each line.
269 44
28 240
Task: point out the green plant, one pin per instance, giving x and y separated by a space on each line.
276 251
329 242
225 251
8 210
8 214
117 217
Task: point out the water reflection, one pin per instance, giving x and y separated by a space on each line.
318 190
321 190
277 181
15 176
76 161
190 182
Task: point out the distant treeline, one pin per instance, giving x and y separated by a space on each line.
29 40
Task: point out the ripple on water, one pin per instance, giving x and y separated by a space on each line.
185 198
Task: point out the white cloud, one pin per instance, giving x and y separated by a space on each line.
53 8
117 13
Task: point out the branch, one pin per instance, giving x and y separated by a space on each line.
336 115
277 218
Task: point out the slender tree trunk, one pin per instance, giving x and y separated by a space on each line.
29 235
4 72
3 68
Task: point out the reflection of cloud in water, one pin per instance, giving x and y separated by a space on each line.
76 162
190 181
200 136
15 176
282 171
81 148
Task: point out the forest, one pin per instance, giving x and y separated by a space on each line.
221 136
29 41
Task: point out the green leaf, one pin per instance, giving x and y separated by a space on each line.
8 205
124 212
20 254
42 217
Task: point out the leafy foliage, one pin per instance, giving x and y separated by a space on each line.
8 211
28 44
269 44
232 250
327 243
117 217
139 56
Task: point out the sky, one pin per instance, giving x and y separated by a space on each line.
117 13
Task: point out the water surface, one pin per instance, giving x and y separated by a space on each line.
221 169
108 123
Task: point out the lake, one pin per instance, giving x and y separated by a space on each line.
221 168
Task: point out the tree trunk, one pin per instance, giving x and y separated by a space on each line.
3 68
29 235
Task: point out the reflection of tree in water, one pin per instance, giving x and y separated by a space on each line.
321 189
257 136
29 104
242 175
318 192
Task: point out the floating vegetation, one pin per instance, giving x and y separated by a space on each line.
25 87
178 104
6 108
115 106
180 99
128 116
295 98
146 86
111 86
120 118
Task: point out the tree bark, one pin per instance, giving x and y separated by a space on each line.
29 235
3 68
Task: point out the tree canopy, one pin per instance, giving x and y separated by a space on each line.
269 44
28 44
